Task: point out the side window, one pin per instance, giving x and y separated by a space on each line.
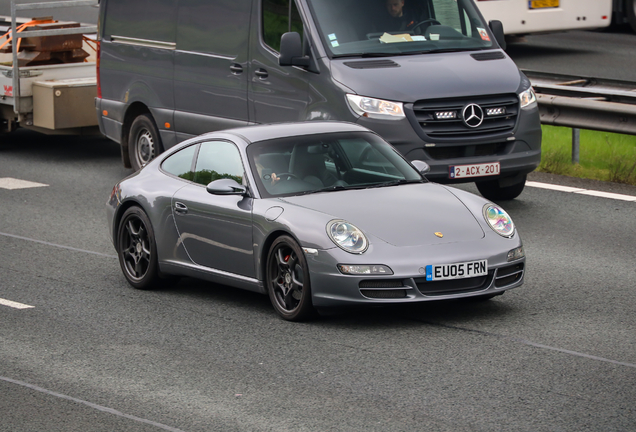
144 19
215 27
218 160
279 16
180 163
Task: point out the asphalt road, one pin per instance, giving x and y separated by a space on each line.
608 54
93 354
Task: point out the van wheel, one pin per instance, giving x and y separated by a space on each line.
144 141
491 190
630 7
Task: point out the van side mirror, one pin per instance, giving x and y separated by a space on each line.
498 31
291 51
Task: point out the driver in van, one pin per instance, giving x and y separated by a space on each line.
399 19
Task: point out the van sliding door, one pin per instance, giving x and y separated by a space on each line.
277 93
211 65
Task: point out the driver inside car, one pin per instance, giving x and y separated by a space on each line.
399 19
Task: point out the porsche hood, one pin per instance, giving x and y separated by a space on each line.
406 215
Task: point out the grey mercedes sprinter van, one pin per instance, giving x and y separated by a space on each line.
429 76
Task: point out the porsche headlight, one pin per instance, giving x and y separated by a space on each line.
499 220
527 97
347 236
375 108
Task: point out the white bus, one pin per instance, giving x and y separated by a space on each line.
521 17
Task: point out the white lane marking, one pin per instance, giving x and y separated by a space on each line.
12 183
57 245
534 344
14 305
582 191
90 404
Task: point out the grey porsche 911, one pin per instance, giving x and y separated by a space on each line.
316 215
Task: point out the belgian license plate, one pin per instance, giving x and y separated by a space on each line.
539 4
457 270
474 170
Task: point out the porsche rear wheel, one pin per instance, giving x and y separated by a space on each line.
287 279
137 250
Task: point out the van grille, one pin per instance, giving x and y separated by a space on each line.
452 152
455 128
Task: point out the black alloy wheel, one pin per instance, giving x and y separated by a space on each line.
144 141
287 279
137 250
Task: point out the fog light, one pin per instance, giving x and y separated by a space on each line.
446 115
516 254
364 269
495 111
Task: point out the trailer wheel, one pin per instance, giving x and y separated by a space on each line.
630 8
144 141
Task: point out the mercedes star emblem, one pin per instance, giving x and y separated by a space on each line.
473 115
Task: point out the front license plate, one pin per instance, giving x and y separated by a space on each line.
539 4
475 170
456 271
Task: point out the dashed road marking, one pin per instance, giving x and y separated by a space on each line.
13 183
56 245
581 191
14 305
90 404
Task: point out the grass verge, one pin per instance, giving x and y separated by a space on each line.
603 156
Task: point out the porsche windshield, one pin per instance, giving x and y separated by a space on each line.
324 163
370 28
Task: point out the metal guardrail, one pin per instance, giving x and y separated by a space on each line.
41 33
585 102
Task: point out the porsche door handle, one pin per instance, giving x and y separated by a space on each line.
180 208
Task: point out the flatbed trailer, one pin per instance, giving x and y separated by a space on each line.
48 98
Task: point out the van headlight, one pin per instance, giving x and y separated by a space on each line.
347 236
375 108
527 97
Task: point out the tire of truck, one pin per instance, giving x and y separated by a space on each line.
493 191
630 9
144 141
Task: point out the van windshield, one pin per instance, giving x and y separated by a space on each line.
376 28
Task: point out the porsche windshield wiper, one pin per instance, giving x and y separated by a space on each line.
325 189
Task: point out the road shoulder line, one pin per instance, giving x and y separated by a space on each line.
575 190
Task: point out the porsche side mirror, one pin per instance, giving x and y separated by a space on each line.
226 187
291 51
421 166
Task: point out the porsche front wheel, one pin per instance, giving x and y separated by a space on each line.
287 279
